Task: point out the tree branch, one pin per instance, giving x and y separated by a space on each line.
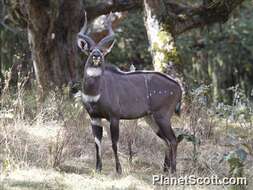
182 17
114 6
186 17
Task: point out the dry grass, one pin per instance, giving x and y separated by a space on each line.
54 149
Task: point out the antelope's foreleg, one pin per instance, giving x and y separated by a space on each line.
97 131
114 128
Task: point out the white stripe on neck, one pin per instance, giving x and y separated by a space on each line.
94 71
89 98
86 98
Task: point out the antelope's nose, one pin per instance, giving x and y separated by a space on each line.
96 58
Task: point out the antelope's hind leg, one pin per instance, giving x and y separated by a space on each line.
151 121
168 154
97 131
114 128
168 135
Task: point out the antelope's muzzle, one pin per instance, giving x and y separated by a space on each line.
96 60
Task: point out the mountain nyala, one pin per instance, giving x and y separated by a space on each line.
111 94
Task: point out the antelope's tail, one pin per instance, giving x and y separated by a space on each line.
178 108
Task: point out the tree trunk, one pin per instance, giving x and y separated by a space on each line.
52 30
1 74
162 44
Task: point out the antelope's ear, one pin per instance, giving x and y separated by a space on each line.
84 45
106 48
84 42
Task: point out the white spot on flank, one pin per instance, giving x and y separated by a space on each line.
171 93
93 71
96 122
99 146
132 67
53 36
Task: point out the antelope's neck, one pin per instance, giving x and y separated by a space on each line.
92 81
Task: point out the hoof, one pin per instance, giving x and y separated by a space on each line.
119 169
166 165
165 169
98 168
173 170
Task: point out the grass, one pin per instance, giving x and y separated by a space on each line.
49 179
53 148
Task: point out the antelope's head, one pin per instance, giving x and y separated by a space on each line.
96 51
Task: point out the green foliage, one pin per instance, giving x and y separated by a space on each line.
221 55
13 46
236 160
189 138
132 43
14 51
241 108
